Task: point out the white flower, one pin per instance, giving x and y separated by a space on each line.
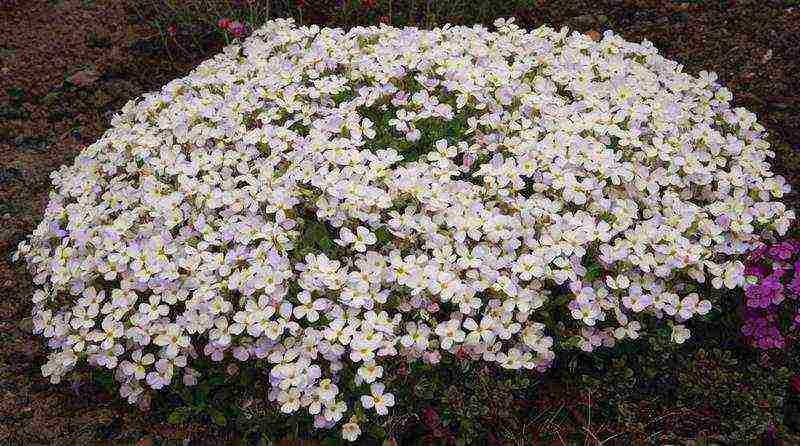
450 333
680 333
327 390
308 309
350 430
173 339
630 331
346 237
619 283
360 239
379 400
290 400
370 371
478 333
363 238
137 367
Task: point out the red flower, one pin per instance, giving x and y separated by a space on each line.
384 19
224 23
369 4
300 3
171 30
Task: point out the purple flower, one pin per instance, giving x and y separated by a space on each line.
794 285
759 271
236 28
761 332
768 291
782 251
765 300
56 230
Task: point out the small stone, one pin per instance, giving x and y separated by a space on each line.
26 325
680 17
84 78
30 143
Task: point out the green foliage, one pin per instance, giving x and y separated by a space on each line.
104 379
651 390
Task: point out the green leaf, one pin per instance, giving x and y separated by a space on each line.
178 415
326 243
216 380
217 417
104 379
15 93
383 235
200 396
592 272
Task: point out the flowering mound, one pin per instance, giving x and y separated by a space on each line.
327 200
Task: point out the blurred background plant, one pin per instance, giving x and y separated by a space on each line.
193 24
186 25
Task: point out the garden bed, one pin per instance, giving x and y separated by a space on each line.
69 65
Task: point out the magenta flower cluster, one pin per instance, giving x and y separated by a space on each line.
235 28
772 294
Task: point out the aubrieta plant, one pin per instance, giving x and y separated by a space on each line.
772 294
328 201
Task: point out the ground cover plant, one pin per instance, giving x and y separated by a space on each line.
551 405
281 204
